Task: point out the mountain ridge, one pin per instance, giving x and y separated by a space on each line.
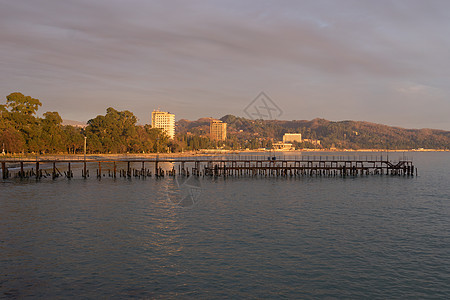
346 134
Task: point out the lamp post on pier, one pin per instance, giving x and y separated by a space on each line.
85 138
84 164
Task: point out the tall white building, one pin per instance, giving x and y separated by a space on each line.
292 137
218 130
165 121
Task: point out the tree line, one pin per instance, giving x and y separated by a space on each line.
22 131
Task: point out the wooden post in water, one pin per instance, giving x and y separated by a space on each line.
4 170
99 170
115 169
69 174
128 169
37 170
22 173
54 170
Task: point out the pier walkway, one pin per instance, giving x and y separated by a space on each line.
208 165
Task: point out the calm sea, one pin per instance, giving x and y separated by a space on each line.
369 237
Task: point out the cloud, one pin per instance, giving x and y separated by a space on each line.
415 89
197 52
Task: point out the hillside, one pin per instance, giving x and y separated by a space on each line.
73 123
342 134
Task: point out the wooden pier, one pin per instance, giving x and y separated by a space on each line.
215 166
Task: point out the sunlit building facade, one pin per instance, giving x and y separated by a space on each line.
292 137
218 130
165 121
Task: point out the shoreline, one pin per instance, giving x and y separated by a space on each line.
214 152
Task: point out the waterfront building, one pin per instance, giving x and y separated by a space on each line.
165 121
312 141
218 130
292 137
282 146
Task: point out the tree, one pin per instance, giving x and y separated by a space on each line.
73 139
52 133
20 117
12 140
116 131
26 105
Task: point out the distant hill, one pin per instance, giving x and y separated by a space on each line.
74 123
342 134
199 127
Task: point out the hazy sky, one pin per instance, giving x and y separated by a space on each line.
381 61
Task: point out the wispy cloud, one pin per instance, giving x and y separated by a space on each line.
208 57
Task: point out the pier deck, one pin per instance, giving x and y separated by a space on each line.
271 166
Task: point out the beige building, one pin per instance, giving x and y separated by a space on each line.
292 137
282 146
165 121
312 141
218 130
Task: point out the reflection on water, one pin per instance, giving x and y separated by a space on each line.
184 191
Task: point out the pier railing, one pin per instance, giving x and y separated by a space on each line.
203 157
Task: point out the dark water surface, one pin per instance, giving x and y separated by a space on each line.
377 237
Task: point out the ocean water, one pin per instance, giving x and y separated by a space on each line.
376 237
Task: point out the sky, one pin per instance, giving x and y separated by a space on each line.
380 61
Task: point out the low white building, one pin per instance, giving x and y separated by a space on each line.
282 146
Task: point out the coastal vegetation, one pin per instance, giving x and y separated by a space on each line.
115 132
22 131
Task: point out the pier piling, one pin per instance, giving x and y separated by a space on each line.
4 170
38 173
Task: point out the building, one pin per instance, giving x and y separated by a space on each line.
218 130
312 141
292 137
165 121
282 146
